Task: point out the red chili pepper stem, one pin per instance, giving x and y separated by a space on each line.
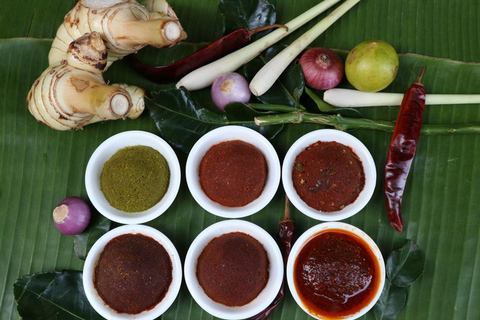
259 29
285 234
287 209
419 80
209 53
402 150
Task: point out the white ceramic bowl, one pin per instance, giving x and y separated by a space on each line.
90 262
275 272
334 226
227 133
103 153
346 139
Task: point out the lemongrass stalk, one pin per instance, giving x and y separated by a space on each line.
348 98
266 77
206 75
346 123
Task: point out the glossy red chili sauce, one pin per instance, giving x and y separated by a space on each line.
133 273
328 176
336 274
233 269
233 173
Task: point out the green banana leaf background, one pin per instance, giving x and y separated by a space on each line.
39 166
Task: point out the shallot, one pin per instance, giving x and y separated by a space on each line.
230 87
71 216
323 68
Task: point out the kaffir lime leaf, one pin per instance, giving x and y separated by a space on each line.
371 66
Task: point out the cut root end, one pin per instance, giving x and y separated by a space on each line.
120 105
60 213
254 90
172 31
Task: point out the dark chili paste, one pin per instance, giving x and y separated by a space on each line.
133 273
233 173
328 176
233 269
336 274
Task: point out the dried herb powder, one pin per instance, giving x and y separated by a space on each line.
135 178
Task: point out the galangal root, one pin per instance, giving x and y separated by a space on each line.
73 93
125 25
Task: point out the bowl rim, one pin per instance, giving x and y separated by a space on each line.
322 227
103 153
346 139
92 257
276 270
227 133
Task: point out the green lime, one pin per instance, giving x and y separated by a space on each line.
371 66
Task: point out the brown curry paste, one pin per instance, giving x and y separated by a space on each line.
336 274
328 176
133 273
233 269
233 173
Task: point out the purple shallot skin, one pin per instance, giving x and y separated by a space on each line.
71 216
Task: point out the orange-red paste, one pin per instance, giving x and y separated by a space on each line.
336 274
233 173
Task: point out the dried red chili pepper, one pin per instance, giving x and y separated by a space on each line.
285 235
211 52
402 150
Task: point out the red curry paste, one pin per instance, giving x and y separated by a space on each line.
133 273
328 176
233 269
336 274
233 173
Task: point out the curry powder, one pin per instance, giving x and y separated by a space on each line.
135 178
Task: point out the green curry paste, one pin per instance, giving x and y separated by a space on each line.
135 178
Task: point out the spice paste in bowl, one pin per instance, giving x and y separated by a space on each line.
328 176
133 273
233 173
233 269
135 178
336 274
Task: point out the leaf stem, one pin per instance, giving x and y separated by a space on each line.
346 123
272 107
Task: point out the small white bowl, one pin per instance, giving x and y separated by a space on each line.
227 133
275 271
333 226
89 268
107 149
346 139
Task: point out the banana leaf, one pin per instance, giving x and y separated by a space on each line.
39 166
